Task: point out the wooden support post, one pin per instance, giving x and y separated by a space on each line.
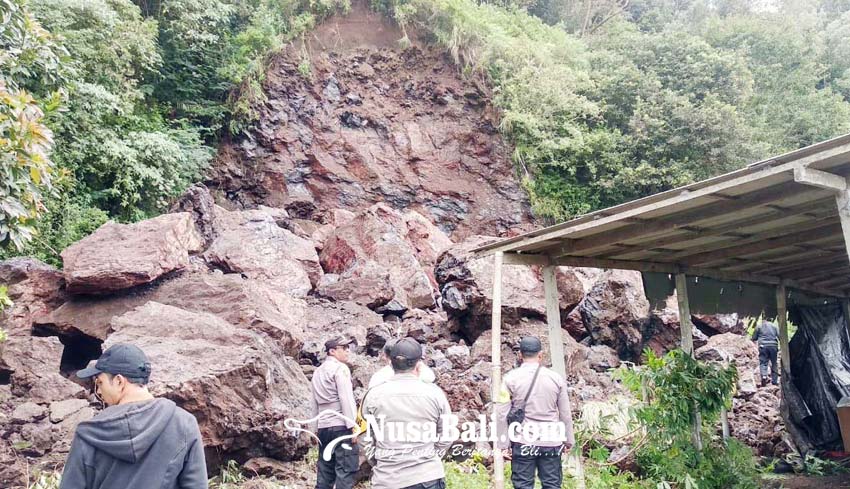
842 200
556 350
553 319
782 323
686 327
724 423
685 324
496 375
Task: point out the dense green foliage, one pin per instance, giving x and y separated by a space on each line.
639 101
149 89
30 81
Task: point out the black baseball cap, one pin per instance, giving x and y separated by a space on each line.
335 342
121 359
530 344
405 353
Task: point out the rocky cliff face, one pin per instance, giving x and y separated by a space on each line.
370 123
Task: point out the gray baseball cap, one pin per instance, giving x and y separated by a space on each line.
121 359
530 344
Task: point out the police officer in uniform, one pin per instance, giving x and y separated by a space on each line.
542 396
331 390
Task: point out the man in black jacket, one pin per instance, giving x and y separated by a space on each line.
767 336
139 441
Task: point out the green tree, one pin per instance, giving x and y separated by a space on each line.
28 58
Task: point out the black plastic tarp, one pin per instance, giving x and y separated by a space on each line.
820 372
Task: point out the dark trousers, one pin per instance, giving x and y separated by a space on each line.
767 354
434 484
546 461
342 466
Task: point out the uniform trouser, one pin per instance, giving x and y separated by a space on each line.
434 484
342 466
767 354
546 461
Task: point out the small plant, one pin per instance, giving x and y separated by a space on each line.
5 303
46 480
229 478
676 387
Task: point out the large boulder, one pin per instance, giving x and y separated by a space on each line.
325 319
713 324
369 285
34 288
32 366
466 283
254 244
616 311
663 330
245 303
237 384
729 347
120 256
374 238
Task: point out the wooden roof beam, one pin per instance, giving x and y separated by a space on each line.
780 258
820 179
777 238
679 220
814 271
731 229
764 244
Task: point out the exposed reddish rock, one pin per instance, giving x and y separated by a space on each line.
373 236
240 399
87 316
407 131
252 243
663 332
712 324
333 219
467 289
120 256
368 285
198 201
245 303
326 319
33 366
33 287
755 418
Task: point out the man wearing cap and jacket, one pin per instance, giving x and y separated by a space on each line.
405 461
138 441
767 337
547 406
331 390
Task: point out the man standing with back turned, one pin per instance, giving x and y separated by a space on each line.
139 441
767 337
331 390
542 396
411 460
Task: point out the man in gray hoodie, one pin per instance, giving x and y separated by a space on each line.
138 441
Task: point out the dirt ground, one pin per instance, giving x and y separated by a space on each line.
807 482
